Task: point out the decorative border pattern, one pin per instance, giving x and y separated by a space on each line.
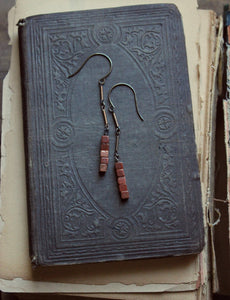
165 221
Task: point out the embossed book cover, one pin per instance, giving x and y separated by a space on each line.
110 147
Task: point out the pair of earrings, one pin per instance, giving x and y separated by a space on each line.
104 147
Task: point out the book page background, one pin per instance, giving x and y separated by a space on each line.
179 273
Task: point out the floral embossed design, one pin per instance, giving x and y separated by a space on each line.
148 220
168 175
94 228
79 219
66 49
62 49
143 41
159 78
73 219
121 229
63 133
164 123
160 212
67 186
66 45
150 42
79 216
105 34
158 215
166 211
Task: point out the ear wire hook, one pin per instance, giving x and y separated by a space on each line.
111 105
121 180
104 149
102 80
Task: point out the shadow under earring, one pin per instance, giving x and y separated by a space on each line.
104 147
119 168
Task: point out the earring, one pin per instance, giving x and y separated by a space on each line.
104 148
119 168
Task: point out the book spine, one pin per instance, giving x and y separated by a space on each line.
26 85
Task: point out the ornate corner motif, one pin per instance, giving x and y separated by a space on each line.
167 212
161 212
143 41
159 215
83 222
65 50
79 217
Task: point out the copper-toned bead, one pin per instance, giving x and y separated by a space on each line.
104 153
120 172
123 187
105 139
121 180
104 160
124 195
104 146
119 165
103 168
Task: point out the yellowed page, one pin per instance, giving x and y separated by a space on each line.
153 275
160 296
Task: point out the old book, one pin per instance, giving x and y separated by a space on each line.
156 277
222 192
76 214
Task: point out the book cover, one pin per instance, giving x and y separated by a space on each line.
76 215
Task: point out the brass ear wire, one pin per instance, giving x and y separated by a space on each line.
104 149
102 80
111 105
121 180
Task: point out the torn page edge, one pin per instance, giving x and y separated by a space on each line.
207 115
226 108
167 285
25 286
215 64
135 296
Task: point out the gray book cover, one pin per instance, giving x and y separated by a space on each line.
76 214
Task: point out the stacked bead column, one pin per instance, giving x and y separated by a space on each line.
121 180
104 153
